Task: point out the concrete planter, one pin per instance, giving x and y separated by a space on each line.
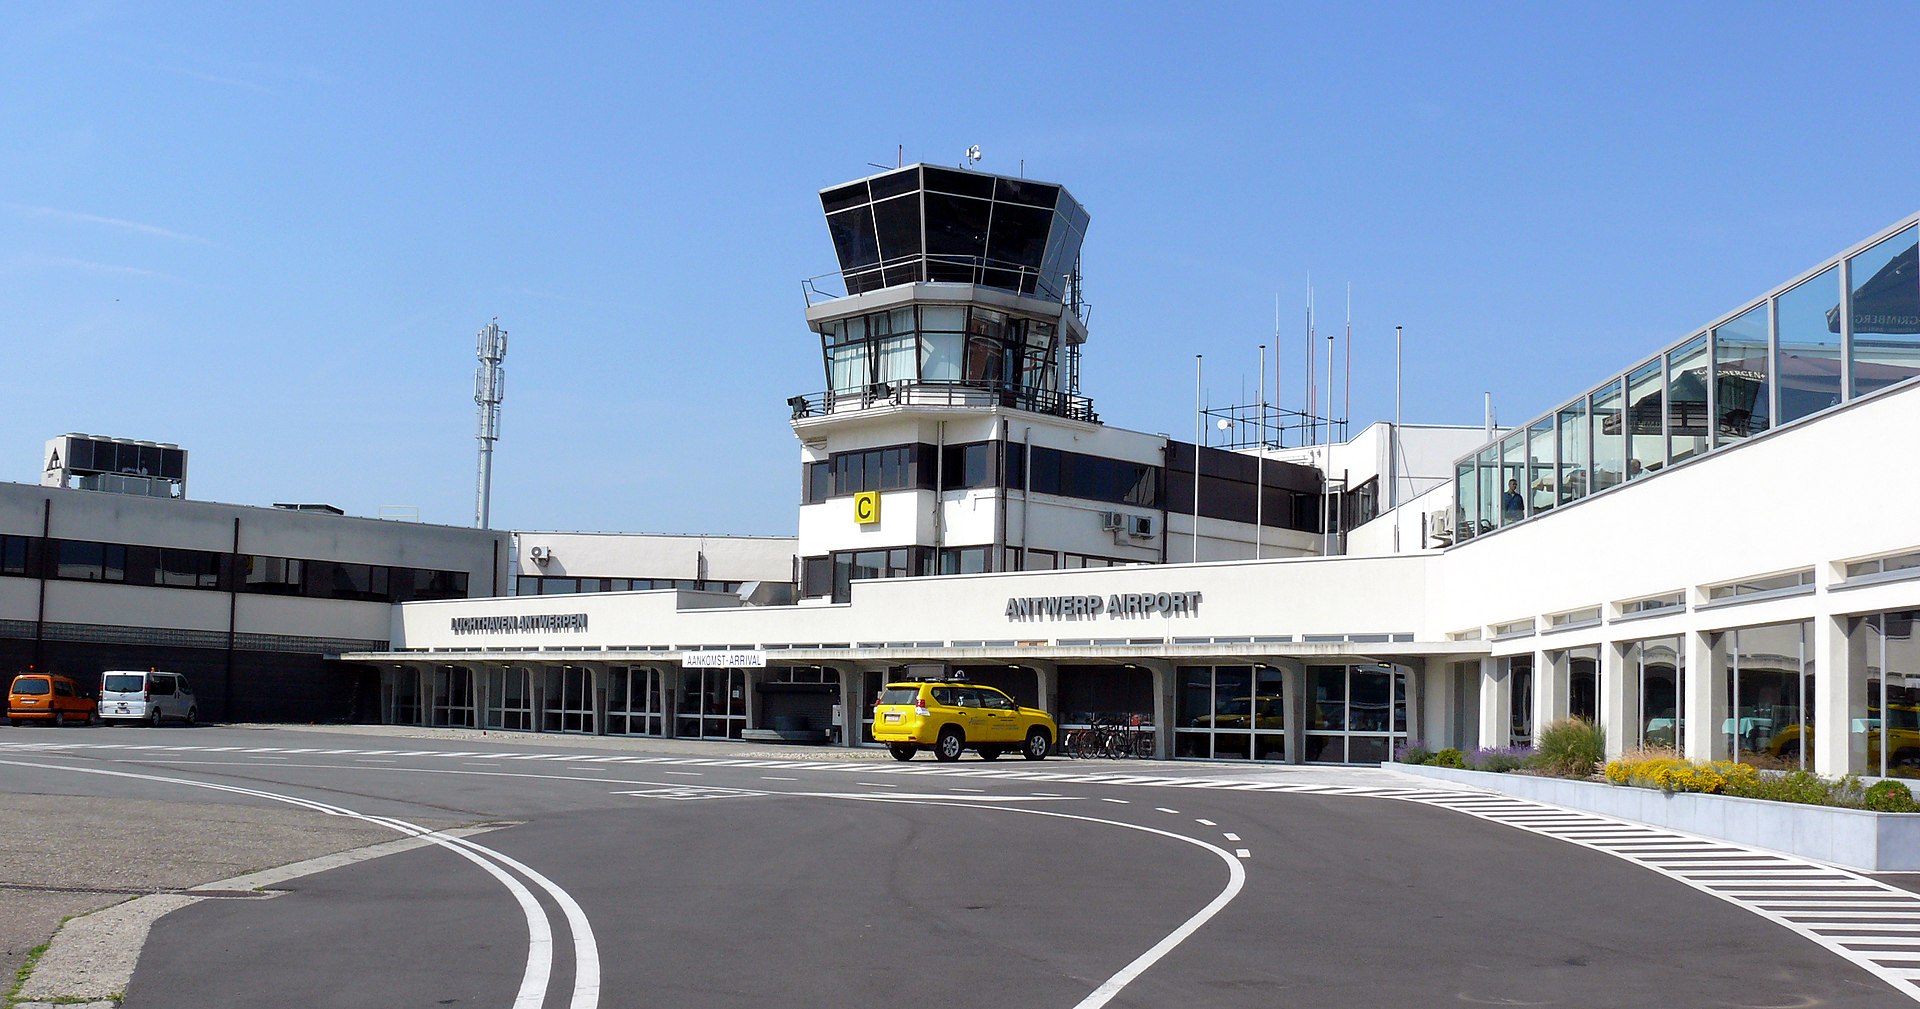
1852 838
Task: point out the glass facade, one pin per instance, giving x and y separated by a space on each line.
1885 304
1230 711
923 223
874 355
1357 714
1658 668
1851 329
1768 683
1883 715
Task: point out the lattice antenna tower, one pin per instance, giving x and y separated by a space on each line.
489 389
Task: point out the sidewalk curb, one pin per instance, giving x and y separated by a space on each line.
91 959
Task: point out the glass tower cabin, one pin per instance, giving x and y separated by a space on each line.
955 288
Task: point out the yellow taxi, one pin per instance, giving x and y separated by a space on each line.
952 716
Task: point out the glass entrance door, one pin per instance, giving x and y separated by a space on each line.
509 699
569 700
713 703
635 702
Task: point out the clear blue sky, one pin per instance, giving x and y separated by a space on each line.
269 234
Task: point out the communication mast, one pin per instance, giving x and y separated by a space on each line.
489 389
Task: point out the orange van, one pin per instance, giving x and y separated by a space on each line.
44 697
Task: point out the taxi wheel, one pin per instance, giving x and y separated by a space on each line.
902 751
59 719
1037 745
193 715
153 717
949 745
989 753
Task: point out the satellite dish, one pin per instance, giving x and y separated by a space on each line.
973 154
1224 424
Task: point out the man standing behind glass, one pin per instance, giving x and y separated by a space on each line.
1513 507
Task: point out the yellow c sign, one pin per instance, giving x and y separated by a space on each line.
866 507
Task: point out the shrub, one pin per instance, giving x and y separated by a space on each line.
1413 751
1571 748
1499 759
1889 797
1806 788
1449 757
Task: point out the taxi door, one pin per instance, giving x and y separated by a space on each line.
970 713
1001 723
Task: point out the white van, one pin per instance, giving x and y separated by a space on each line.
152 697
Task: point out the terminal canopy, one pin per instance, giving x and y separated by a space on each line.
922 223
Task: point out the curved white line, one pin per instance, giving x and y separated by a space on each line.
539 968
1236 881
586 952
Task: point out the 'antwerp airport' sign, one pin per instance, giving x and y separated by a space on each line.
1120 605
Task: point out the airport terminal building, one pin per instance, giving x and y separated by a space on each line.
1717 547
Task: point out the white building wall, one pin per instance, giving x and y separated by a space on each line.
1245 598
1812 494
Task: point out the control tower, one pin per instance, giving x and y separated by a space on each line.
955 288
950 436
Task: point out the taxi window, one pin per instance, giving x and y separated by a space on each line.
159 685
947 695
899 695
63 689
30 685
995 699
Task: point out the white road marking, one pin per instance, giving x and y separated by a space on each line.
1122 802
969 789
1231 837
1163 809
539 966
689 774
1206 823
1112 986
769 777
1242 853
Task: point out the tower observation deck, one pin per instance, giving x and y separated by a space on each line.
955 289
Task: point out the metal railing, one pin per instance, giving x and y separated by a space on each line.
946 395
921 268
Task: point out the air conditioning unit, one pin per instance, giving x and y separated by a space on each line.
1440 527
1140 526
1111 521
540 555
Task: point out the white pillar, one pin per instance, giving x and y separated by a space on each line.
1496 703
1704 705
1619 698
1441 711
1163 685
1551 674
1839 687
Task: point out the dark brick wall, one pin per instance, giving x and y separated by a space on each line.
266 686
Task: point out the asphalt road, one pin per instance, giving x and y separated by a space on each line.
637 873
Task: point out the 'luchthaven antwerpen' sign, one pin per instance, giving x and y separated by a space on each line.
1118 606
541 623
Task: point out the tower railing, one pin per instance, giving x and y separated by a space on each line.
944 394
925 268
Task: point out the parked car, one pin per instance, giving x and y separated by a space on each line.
151 697
45 697
948 717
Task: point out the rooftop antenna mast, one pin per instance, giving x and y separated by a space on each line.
489 389
1346 397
